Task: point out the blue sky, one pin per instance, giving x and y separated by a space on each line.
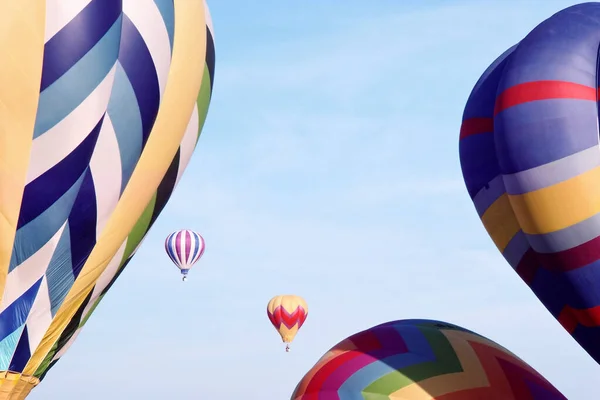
328 168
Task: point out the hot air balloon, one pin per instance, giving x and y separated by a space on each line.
287 313
530 160
184 248
102 105
422 359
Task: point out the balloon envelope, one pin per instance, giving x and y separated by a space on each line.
102 105
184 248
422 359
287 314
531 163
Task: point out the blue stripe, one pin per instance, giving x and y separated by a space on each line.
584 284
478 161
482 99
536 133
7 347
196 245
15 315
579 288
489 194
171 249
419 351
60 271
588 339
77 38
33 236
167 11
82 224
374 371
346 394
72 88
22 353
139 67
415 340
52 184
563 47
516 249
124 114
210 59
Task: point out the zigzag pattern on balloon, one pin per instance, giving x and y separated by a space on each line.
418 360
156 205
99 98
281 316
529 156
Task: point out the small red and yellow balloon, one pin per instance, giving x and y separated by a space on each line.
287 313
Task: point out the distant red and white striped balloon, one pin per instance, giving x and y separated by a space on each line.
184 248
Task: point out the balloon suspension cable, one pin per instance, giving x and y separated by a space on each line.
287 347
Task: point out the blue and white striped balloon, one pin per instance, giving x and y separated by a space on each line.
184 248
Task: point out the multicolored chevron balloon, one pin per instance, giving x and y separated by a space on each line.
530 159
102 102
422 360
287 313
184 248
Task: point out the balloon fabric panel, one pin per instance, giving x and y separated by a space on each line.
422 359
529 156
101 144
287 314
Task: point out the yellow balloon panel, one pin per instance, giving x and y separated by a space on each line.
287 313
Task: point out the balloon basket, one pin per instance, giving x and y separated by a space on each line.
184 278
287 348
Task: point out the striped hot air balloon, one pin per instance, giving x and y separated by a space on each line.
418 360
530 159
102 102
184 248
287 313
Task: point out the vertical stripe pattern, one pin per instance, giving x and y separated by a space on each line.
422 360
184 248
104 68
530 157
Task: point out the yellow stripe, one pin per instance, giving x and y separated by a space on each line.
500 222
22 25
472 375
559 206
183 85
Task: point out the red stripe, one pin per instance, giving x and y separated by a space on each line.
282 316
474 126
562 261
316 383
573 258
543 90
528 266
272 319
365 342
570 318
